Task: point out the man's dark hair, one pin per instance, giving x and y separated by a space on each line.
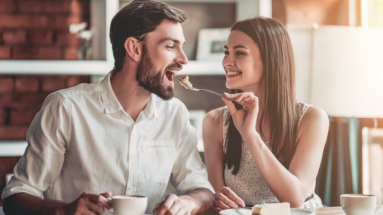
136 20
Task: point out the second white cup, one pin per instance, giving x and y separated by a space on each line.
357 204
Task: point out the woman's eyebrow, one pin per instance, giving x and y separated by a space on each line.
239 46
236 47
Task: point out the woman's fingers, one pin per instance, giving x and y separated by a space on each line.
236 95
222 205
232 196
239 98
231 96
244 119
230 105
247 99
225 200
249 102
216 209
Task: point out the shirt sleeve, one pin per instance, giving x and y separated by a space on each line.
189 172
43 158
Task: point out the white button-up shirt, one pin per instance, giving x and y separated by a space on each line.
83 141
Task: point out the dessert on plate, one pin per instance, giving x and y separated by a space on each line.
272 209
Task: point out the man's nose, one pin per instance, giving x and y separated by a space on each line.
181 58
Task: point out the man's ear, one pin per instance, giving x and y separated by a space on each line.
133 48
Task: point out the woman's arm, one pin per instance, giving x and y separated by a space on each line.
224 197
294 184
290 185
212 140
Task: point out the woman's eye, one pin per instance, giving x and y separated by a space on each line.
170 47
226 52
240 53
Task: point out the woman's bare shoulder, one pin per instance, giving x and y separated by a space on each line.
215 117
314 120
213 124
314 114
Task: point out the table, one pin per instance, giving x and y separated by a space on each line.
332 211
320 211
2 213
337 210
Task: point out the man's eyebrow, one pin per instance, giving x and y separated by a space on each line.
172 39
236 47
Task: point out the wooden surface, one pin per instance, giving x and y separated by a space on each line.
336 211
320 211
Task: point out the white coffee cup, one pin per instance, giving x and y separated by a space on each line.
357 204
128 205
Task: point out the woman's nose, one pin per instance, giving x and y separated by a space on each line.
228 61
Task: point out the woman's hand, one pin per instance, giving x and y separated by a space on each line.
244 120
226 199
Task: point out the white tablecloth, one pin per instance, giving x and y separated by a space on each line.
2 213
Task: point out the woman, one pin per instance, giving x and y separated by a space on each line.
271 149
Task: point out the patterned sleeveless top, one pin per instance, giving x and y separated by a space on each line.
248 183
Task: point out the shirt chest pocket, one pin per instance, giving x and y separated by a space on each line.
158 160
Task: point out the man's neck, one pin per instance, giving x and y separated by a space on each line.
132 97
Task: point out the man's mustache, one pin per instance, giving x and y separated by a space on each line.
174 66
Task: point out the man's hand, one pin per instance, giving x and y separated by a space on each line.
174 205
89 203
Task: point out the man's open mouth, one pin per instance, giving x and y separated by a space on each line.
170 74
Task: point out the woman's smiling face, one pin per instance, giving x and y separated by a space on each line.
242 62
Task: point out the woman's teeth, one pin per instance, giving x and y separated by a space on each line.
233 73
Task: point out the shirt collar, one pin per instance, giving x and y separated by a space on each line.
112 105
151 109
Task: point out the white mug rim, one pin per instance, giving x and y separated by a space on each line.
358 195
133 197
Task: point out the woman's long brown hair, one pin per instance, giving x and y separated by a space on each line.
276 51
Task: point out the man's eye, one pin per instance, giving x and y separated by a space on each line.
170 47
226 52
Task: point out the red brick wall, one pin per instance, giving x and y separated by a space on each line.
34 29
21 97
39 29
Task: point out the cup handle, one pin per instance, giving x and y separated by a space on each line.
378 204
111 212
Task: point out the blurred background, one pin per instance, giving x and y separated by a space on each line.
48 45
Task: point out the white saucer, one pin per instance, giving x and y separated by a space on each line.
246 211
239 211
106 213
297 211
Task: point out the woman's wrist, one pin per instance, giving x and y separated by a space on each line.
251 136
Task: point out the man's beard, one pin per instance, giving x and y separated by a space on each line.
151 80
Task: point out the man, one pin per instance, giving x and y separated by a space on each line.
122 135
